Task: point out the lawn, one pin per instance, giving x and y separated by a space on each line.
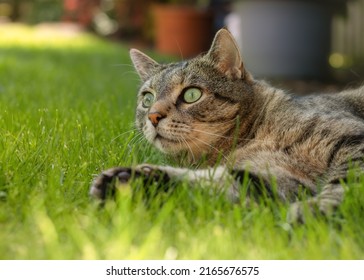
66 113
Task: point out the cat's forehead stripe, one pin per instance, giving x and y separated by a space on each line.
170 75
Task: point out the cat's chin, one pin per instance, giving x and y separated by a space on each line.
166 145
177 150
173 146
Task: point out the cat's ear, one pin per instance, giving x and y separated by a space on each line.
225 54
144 65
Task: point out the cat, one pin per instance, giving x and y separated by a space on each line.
210 107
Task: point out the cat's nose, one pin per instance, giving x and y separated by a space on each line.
155 118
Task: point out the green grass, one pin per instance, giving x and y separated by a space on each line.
66 104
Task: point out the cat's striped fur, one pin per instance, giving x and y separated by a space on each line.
251 129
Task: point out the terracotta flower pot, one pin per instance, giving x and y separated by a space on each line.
183 31
80 11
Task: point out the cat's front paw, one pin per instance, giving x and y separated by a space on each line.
105 184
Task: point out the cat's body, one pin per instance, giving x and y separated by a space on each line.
210 107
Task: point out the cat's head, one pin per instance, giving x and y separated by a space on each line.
192 106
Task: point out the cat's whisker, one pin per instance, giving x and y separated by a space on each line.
179 49
209 145
134 139
125 132
140 140
189 148
225 122
139 137
131 74
123 65
212 134
230 137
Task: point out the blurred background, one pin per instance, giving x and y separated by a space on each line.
312 42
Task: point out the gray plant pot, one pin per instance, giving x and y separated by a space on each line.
285 39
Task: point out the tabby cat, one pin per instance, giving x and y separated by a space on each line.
211 108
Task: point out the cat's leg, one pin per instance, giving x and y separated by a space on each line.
107 182
331 195
324 203
276 182
257 180
258 183
279 182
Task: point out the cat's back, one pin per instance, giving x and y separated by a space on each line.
307 135
348 103
353 100
346 107
312 121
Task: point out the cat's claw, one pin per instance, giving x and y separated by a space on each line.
124 177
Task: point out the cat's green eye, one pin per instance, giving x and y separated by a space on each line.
191 95
148 100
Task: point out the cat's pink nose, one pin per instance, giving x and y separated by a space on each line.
155 117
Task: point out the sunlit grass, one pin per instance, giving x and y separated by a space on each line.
66 105
45 35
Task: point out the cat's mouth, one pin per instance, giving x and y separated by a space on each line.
168 143
173 144
173 141
163 138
